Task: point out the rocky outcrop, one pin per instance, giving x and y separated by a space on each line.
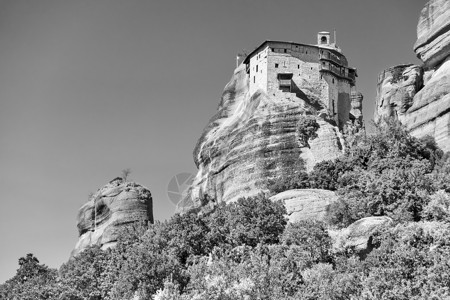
306 204
357 235
116 204
356 110
419 96
252 140
430 112
396 89
433 33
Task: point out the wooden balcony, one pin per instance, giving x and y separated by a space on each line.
342 73
331 57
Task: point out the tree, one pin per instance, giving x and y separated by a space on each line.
82 275
307 127
248 221
32 281
312 237
386 175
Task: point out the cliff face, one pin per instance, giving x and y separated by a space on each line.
419 96
252 139
433 33
306 204
116 204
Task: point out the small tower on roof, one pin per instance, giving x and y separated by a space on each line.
323 38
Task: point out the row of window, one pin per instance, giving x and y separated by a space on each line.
283 50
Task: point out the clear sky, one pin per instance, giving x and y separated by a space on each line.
91 87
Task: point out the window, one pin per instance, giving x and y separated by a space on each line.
323 40
256 68
306 52
298 66
254 80
273 49
333 80
276 65
285 50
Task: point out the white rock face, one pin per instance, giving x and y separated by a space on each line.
357 234
307 204
252 139
419 95
430 112
396 89
116 204
433 33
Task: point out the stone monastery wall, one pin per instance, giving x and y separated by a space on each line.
311 73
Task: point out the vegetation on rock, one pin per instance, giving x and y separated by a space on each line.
246 249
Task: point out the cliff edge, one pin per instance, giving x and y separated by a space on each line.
253 139
419 96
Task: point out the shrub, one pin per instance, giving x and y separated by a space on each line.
312 237
438 208
248 221
307 127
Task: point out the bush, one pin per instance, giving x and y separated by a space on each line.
438 208
248 221
312 237
307 127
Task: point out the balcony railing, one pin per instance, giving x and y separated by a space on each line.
338 72
330 56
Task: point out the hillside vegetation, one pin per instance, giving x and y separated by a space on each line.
247 250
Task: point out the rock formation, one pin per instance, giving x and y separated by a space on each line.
116 204
433 33
356 111
306 204
251 140
357 235
419 96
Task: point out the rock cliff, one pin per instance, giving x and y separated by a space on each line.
356 103
116 204
419 96
253 139
306 204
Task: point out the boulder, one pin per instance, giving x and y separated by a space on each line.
357 235
116 204
307 204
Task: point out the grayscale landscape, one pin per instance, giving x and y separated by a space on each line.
239 149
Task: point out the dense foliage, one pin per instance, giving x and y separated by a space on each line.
246 249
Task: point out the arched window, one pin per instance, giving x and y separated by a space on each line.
323 40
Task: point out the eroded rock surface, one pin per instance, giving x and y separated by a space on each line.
356 111
357 234
116 204
433 33
307 204
419 95
396 89
251 140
